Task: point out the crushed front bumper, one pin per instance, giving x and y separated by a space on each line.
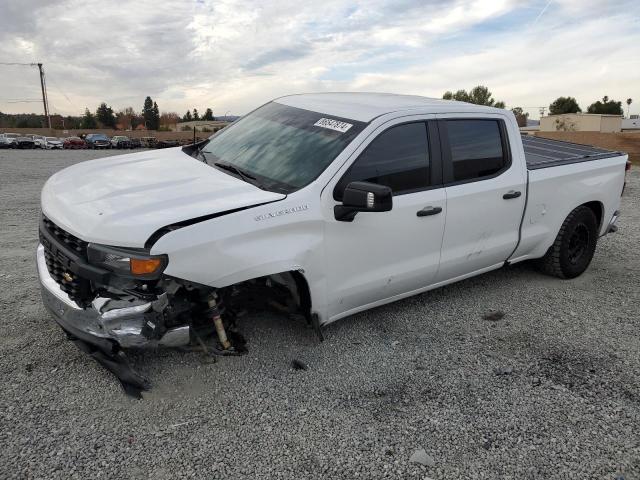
100 324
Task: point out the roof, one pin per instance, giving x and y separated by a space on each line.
365 107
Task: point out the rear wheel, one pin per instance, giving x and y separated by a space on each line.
573 249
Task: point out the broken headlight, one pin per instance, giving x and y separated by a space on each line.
127 262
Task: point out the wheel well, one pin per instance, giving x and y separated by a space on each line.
597 209
287 291
304 293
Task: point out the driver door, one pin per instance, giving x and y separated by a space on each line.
382 256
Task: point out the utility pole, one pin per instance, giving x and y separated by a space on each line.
43 85
44 95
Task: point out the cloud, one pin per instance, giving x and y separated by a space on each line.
277 56
233 55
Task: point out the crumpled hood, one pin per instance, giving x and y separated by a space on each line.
122 200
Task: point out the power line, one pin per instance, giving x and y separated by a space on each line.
43 85
57 87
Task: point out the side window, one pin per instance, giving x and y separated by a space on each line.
476 149
397 158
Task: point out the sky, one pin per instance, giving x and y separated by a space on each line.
234 55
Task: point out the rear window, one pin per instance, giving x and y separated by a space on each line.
476 148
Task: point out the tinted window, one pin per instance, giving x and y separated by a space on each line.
476 148
397 158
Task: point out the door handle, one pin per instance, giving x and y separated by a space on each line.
511 194
426 211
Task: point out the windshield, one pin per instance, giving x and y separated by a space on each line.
98 136
283 148
52 139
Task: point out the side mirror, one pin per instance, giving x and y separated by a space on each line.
363 197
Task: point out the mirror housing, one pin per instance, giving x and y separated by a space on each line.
363 197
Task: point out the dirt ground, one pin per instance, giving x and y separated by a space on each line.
551 390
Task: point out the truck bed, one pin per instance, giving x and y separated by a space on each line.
544 152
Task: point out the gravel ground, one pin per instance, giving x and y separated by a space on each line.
551 390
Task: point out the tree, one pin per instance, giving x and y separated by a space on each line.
564 105
521 116
155 117
150 114
208 115
196 115
187 117
479 95
169 120
127 119
629 102
71 122
460 96
105 116
88 120
606 107
147 113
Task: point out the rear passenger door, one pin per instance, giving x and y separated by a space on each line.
485 192
381 255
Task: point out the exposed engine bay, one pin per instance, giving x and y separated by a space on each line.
105 308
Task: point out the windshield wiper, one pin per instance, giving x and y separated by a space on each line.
247 177
200 153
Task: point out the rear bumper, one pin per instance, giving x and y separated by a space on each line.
98 324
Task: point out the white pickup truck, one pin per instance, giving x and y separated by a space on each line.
322 205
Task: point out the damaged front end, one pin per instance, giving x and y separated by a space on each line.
107 299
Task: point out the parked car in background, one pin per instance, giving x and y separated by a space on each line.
74 143
24 141
38 141
120 141
10 139
97 140
148 142
167 144
4 141
135 143
52 143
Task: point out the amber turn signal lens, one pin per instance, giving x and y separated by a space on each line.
144 266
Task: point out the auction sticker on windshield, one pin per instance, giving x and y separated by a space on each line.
333 124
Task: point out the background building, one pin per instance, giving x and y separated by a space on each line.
631 124
581 122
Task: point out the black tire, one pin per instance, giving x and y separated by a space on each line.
573 249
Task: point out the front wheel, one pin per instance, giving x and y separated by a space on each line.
573 249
